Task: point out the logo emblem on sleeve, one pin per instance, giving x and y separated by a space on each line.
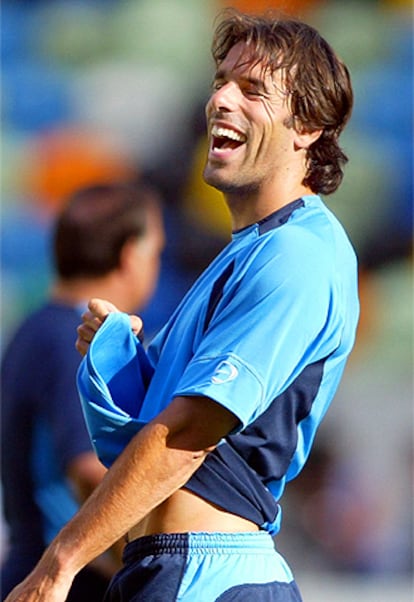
225 372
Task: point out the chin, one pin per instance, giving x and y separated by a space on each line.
217 180
230 187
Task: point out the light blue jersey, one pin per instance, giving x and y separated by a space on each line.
265 331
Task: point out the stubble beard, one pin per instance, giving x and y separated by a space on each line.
229 187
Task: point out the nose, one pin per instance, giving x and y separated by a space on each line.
224 98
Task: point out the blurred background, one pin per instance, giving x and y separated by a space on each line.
105 90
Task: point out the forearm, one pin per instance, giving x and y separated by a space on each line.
157 462
85 473
143 476
146 474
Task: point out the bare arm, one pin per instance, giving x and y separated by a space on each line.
86 472
156 463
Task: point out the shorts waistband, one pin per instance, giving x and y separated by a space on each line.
199 542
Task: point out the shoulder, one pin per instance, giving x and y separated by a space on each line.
46 330
308 255
312 237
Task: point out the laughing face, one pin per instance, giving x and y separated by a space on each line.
251 141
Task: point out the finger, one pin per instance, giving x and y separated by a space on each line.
136 325
88 327
86 332
81 346
89 318
100 308
85 336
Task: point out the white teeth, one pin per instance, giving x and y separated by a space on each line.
221 132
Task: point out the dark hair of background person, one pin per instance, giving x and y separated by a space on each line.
101 219
317 81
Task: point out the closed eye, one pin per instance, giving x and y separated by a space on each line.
254 93
217 84
254 87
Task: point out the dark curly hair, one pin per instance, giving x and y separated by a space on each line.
317 81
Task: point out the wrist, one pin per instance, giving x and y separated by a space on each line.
60 562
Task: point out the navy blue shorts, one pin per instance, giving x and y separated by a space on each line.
203 567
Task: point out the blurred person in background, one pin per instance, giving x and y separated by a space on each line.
107 241
243 372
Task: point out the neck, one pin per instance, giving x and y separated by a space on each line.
250 206
80 290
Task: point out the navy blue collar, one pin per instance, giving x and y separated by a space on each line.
277 218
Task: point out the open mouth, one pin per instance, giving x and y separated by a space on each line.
225 138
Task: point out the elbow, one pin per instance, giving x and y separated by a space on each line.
191 443
196 425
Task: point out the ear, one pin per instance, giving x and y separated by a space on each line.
127 254
304 139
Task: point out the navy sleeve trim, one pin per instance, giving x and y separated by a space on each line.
217 293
